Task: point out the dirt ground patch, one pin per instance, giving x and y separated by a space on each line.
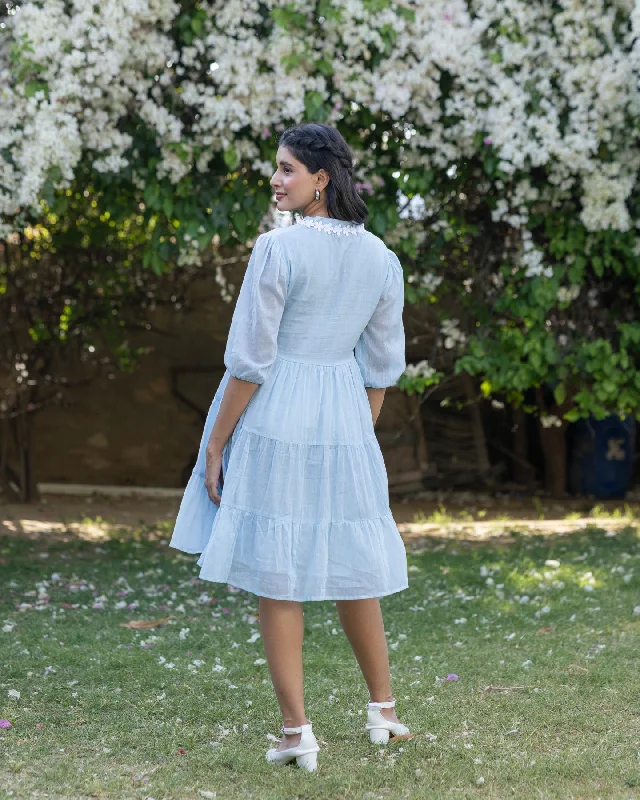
465 516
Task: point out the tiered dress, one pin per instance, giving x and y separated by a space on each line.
304 511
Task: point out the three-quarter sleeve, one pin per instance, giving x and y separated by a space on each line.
380 350
252 342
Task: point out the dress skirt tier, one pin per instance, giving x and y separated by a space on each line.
304 511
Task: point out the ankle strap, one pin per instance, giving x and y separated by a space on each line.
385 704
291 731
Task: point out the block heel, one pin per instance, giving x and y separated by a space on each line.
379 735
305 754
380 728
308 761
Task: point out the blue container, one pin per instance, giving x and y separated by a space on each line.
601 457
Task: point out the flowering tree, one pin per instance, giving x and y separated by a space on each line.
497 147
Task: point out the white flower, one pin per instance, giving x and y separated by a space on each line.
568 294
102 68
453 335
420 370
428 280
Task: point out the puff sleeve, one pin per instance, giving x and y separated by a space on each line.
380 350
252 340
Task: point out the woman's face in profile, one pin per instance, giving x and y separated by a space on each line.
293 185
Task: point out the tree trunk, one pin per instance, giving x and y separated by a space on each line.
480 442
523 470
421 452
554 448
20 482
4 447
555 459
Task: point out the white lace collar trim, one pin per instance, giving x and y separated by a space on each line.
340 227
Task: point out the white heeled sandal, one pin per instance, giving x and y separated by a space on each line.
305 753
379 728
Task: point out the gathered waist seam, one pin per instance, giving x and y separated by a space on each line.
347 360
366 441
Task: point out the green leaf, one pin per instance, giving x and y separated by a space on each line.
167 205
151 195
598 266
407 13
576 270
179 149
560 394
204 239
156 263
197 23
61 204
325 67
231 158
291 61
36 86
239 221
327 10
376 6
490 162
314 106
288 18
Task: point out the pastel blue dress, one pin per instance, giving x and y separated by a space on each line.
304 511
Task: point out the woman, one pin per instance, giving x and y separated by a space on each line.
289 497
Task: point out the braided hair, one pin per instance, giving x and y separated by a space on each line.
321 146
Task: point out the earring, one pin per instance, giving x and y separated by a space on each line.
317 194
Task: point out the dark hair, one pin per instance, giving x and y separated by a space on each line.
320 146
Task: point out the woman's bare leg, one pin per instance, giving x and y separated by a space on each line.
282 630
362 622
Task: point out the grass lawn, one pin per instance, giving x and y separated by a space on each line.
540 631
